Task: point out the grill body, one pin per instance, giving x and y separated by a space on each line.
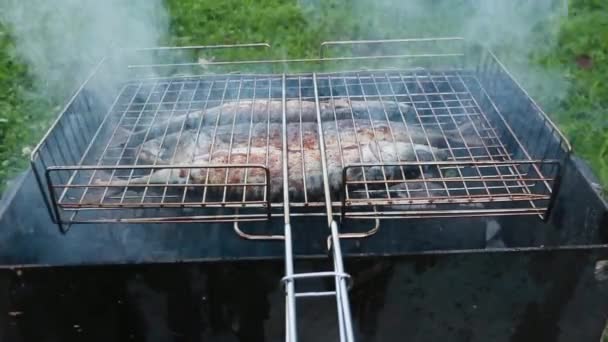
518 223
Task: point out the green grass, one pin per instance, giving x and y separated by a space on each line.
297 32
584 114
23 113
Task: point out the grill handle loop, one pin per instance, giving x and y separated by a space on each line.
361 235
237 229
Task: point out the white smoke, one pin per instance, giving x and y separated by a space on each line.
515 29
61 40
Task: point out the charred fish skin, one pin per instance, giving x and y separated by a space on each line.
161 150
236 179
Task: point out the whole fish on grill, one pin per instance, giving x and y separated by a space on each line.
380 143
272 110
186 145
305 169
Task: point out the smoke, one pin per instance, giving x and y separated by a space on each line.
517 30
520 32
61 40
487 21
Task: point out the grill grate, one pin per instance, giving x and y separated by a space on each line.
476 167
399 143
143 112
173 128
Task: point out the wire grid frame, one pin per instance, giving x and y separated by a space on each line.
167 128
159 142
392 138
469 170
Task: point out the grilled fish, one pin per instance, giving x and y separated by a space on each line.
272 110
305 169
182 147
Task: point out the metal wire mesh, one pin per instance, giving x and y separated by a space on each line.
398 143
469 168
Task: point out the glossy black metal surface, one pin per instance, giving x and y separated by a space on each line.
530 296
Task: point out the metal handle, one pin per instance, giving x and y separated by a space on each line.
248 236
343 302
194 47
326 44
206 47
361 235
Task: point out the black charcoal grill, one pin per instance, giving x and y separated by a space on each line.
517 188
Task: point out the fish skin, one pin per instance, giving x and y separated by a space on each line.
272 110
270 157
304 166
464 134
336 133
304 152
417 190
195 173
